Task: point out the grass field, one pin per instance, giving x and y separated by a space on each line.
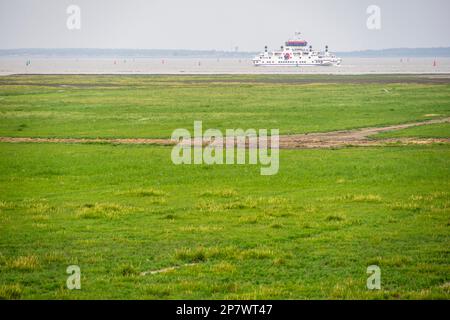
122 211
153 106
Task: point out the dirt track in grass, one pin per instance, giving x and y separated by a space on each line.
357 137
333 139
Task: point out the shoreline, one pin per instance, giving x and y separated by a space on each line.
253 78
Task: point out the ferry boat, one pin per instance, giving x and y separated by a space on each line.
296 52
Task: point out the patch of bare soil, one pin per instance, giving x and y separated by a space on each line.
334 139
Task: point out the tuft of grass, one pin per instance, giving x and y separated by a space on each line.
5 205
446 287
159 201
209 206
406 206
144 192
224 267
257 253
431 197
346 289
309 208
276 225
53 256
103 210
264 203
278 262
335 218
224 193
201 228
191 255
357 198
40 218
38 207
262 292
26 263
252 219
11 292
391 261
128 270
157 291
247 203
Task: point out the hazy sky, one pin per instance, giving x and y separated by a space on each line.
222 25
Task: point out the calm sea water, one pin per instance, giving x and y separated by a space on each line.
215 66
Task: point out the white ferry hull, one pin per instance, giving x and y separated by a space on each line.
324 64
268 61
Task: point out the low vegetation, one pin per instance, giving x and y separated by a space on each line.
140 227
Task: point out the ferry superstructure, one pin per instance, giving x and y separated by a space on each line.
296 53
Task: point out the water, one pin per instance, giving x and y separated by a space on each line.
213 66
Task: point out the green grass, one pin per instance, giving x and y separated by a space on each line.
308 232
438 130
153 106
222 231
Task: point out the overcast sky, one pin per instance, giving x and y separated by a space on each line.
223 25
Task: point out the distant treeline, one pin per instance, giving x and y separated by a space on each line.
163 53
123 53
399 52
